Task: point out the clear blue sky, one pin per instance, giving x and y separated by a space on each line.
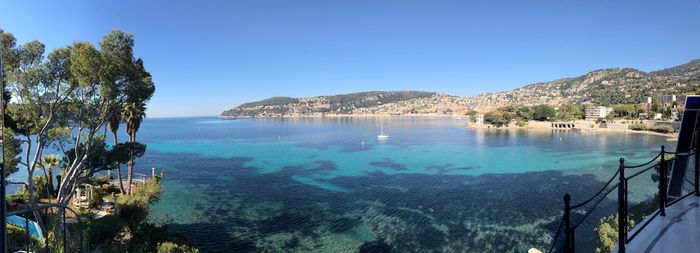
207 56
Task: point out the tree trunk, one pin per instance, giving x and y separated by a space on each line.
118 166
49 182
30 181
33 203
130 175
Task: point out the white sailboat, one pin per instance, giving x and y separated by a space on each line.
381 135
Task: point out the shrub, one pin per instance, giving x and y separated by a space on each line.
521 123
132 214
496 118
110 189
169 247
638 127
17 239
96 200
662 129
145 193
103 230
607 233
18 197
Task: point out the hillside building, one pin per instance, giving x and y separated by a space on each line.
599 112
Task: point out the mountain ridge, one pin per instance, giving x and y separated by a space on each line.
607 86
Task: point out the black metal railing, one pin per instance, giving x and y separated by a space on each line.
63 243
659 162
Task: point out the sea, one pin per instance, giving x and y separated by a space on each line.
330 185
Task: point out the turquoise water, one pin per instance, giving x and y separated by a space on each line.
328 185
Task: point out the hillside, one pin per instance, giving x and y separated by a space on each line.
337 104
602 87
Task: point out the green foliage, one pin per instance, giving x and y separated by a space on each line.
17 239
662 129
12 150
543 112
110 190
496 118
627 111
472 114
121 151
107 233
344 103
56 242
170 247
103 230
96 200
570 112
96 159
143 194
524 113
638 127
41 187
18 197
607 233
657 128
132 214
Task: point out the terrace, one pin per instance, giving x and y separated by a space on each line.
674 225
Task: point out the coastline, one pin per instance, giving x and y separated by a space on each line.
670 136
541 126
455 116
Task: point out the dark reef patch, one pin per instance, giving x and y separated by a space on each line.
389 164
445 168
375 247
416 213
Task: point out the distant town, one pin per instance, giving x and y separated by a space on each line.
606 95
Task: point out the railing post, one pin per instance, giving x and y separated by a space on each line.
662 182
64 228
29 241
568 240
697 168
621 209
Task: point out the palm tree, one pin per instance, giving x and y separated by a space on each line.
113 125
48 163
134 112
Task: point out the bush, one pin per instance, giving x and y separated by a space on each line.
41 187
18 239
662 129
638 127
96 200
111 189
607 233
496 118
132 215
145 193
543 112
103 230
169 247
18 197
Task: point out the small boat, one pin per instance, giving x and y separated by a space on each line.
381 135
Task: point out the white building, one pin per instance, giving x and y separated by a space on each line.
600 112
480 119
666 99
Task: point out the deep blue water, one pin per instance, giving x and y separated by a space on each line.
328 185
